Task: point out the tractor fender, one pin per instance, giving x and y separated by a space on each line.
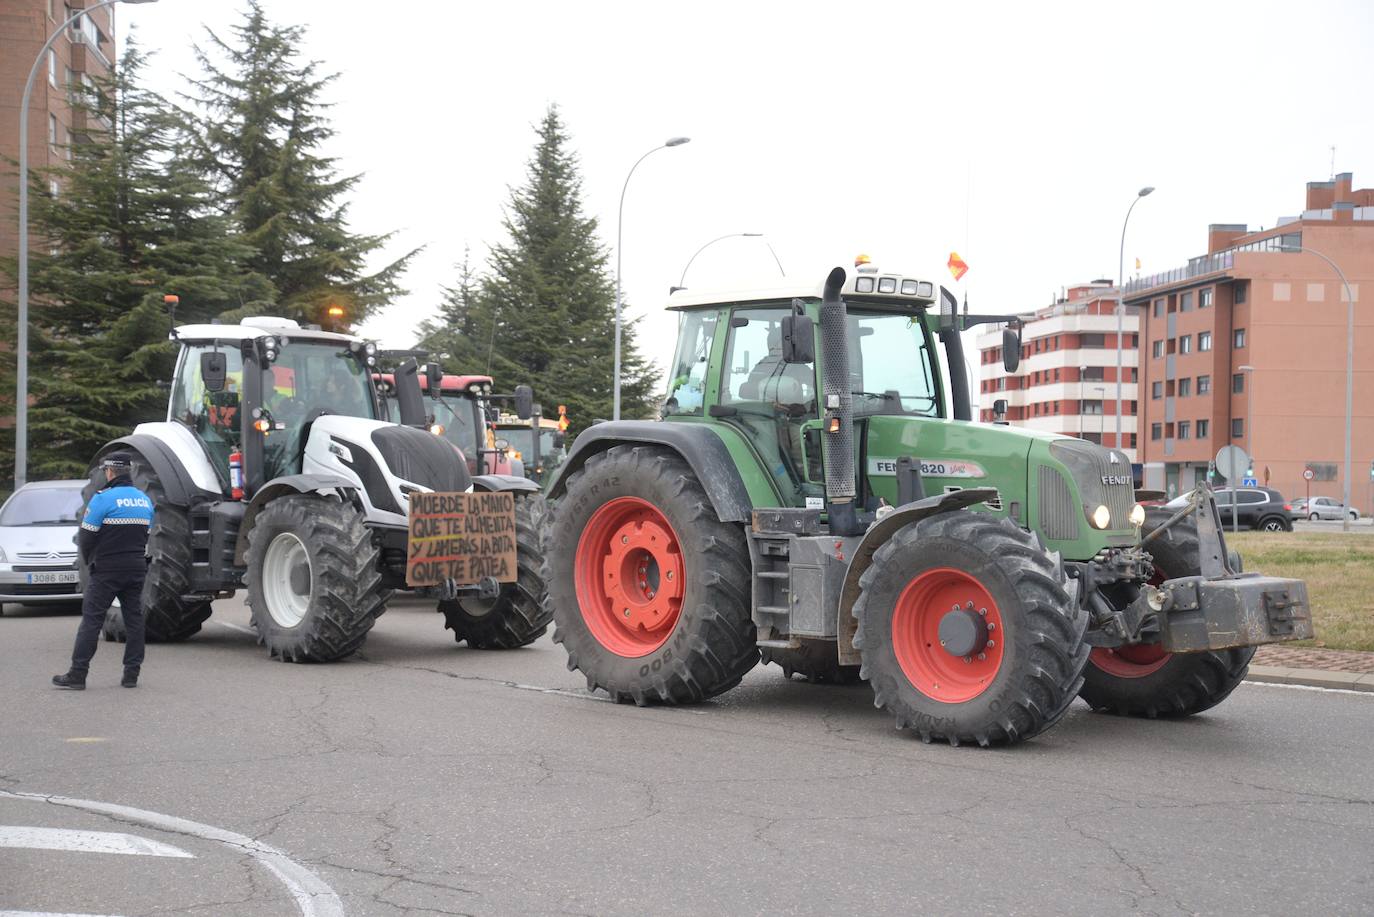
177 482
699 445
877 536
497 483
325 485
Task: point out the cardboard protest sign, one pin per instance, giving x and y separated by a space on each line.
461 537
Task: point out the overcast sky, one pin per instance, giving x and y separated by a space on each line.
1016 134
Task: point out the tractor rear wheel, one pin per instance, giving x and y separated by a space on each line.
170 613
817 661
648 588
516 617
967 631
314 578
1144 679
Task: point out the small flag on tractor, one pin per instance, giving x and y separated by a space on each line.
957 266
1137 264
563 418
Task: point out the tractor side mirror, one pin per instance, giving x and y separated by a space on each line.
1011 348
434 379
999 411
524 402
214 369
798 339
560 439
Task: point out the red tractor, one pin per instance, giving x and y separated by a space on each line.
461 411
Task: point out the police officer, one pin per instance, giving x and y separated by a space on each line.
112 542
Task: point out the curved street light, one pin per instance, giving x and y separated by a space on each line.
1121 315
21 402
619 226
733 235
1349 372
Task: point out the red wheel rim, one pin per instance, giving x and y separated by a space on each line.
629 577
916 618
1135 661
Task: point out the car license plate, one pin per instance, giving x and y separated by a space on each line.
63 576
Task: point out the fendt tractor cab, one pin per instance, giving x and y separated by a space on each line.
816 491
276 472
461 410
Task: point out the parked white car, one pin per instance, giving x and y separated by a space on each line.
1323 508
38 526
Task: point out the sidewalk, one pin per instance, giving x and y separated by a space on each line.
1313 666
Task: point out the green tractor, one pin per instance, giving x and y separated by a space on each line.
817 494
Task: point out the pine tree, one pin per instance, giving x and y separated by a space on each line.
548 299
263 129
462 333
130 223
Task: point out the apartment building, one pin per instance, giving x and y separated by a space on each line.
1066 382
1246 345
83 53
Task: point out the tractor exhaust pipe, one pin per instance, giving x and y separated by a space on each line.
838 436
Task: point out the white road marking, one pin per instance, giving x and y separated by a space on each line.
238 627
85 842
313 896
49 914
1275 684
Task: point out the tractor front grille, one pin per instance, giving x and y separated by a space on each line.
1059 511
1102 476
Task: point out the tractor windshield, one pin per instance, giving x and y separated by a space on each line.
309 379
890 364
457 416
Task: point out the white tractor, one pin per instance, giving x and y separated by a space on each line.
276 472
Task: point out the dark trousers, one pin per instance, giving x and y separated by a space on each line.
102 589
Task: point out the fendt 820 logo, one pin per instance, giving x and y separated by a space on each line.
1109 479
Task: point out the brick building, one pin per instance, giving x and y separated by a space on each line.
84 53
1246 325
1066 382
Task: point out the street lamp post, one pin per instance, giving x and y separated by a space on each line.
1349 374
619 225
733 235
21 404
1121 310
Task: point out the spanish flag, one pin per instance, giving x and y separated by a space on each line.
957 266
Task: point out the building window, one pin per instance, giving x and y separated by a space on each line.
1157 349
1092 340
1185 387
1204 298
1185 302
1239 291
1156 390
1156 431
1091 374
1092 407
1204 384
1159 308
1204 340
1239 339
52 130
1238 384
1185 344
1185 429
54 188
52 67
1238 428
1202 429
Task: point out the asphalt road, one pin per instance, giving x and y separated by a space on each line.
424 778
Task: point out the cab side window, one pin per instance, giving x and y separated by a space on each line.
754 368
687 384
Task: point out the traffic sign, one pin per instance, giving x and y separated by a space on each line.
1307 474
1249 482
1232 462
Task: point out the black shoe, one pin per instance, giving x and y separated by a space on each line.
72 680
130 679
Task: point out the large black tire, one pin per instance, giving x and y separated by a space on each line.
704 642
816 661
170 613
1132 683
336 591
517 616
995 565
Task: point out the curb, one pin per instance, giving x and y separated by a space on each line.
1313 678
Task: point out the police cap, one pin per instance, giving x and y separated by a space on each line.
118 461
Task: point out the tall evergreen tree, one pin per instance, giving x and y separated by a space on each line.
131 221
462 332
548 299
264 127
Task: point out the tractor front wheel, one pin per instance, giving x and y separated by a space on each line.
1144 679
516 617
648 588
314 578
967 631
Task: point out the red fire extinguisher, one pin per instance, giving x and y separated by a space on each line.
236 475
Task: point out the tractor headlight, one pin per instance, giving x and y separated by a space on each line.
370 349
437 429
1137 515
1102 517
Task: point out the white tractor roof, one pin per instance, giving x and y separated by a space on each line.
859 285
259 326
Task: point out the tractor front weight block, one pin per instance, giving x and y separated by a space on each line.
1247 609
